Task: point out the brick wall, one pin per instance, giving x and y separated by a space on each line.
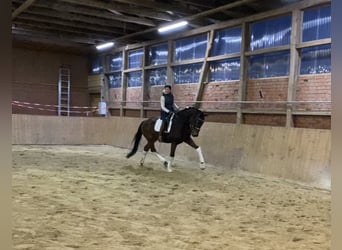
220 91
134 97
153 94
115 94
185 94
221 117
273 89
309 87
265 90
314 88
265 119
309 121
35 79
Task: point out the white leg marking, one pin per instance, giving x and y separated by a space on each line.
143 159
161 158
201 158
167 164
172 159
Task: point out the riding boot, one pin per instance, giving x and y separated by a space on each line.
161 131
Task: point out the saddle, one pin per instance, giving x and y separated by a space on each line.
168 124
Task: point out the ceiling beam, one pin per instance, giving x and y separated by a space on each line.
235 22
214 19
122 8
65 7
174 7
22 8
199 15
207 6
60 28
220 9
81 18
49 20
52 36
58 46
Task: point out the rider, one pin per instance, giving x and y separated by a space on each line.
168 107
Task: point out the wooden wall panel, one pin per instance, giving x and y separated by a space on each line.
35 78
94 83
292 153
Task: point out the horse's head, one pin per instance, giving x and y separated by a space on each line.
196 120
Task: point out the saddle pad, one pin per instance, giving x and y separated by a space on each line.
157 125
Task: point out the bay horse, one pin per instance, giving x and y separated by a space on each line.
186 123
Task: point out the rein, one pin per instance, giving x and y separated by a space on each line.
192 126
195 125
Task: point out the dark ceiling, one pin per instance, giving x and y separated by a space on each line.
84 23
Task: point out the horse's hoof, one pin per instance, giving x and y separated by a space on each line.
169 170
202 166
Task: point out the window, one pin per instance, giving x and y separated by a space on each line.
115 62
135 59
96 66
271 33
157 76
134 79
158 54
190 48
316 23
269 64
316 59
227 41
115 80
188 73
225 70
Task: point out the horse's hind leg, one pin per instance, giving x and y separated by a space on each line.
146 148
150 145
143 158
161 158
164 161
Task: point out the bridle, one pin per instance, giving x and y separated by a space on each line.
195 125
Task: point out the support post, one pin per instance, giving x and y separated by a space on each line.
243 72
294 64
205 68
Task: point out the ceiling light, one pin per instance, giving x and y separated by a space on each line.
172 26
104 46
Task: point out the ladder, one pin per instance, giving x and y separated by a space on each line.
64 92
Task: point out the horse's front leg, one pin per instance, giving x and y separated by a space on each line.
191 143
172 156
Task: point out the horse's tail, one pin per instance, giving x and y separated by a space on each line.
136 140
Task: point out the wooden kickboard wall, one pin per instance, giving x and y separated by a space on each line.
293 153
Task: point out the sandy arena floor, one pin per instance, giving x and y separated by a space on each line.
92 197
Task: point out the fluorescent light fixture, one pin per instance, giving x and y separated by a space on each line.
104 46
172 26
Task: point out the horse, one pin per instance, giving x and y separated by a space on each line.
186 123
